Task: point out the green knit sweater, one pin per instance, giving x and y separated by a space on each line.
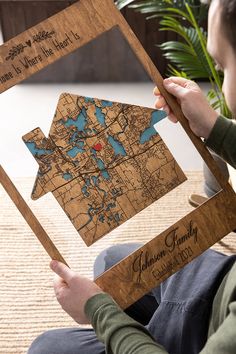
123 335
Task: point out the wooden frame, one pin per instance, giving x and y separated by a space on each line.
59 35
16 16
91 162
29 217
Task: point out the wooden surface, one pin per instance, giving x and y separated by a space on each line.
49 41
29 217
70 29
26 279
168 252
81 66
101 161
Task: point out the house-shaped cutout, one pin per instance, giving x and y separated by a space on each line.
152 263
103 161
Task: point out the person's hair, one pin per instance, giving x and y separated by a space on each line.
228 16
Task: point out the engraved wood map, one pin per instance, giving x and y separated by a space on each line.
103 161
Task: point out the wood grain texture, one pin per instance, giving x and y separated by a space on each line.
52 39
26 280
61 34
18 16
116 63
158 259
101 161
70 29
29 217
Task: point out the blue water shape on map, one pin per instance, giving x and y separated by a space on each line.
110 206
117 146
87 182
36 151
95 180
101 167
80 122
89 99
100 116
86 187
94 153
100 164
148 133
76 149
85 191
106 103
90 211
73 137
101 218
67 176
81 145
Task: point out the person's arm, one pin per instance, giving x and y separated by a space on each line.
222 139
224 339
120 333
218 132
85 302
221 334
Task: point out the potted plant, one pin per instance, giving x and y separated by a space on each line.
188 57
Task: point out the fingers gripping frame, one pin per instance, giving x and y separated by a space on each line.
58 36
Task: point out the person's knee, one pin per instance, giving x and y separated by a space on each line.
112 255
43 344
54 342
67 341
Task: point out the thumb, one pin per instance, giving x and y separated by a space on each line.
62 270
174 87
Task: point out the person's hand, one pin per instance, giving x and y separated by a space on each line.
73 291
200 114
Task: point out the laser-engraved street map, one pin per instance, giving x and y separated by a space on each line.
103 161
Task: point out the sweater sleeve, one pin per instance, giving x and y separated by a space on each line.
224 339
222 139
222 326
120 333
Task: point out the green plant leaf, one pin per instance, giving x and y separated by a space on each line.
123 3
187 57
155 6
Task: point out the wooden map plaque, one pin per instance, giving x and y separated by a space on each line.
103 161
61 34
29 217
